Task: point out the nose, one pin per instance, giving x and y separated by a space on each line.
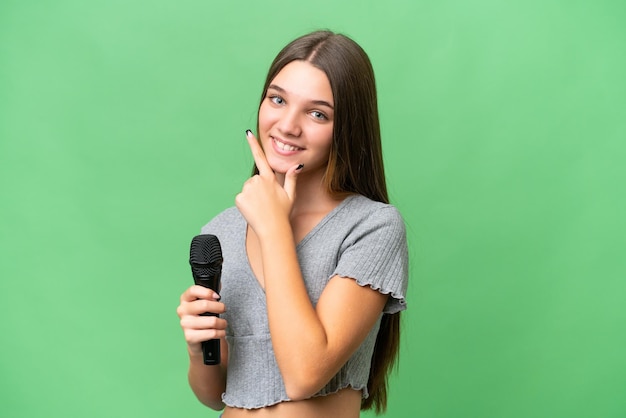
289 123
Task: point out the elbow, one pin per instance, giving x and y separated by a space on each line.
299 393
214 404
303 386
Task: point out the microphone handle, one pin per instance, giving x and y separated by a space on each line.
210 349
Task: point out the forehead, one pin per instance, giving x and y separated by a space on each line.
301 79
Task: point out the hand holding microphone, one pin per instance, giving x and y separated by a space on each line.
205 259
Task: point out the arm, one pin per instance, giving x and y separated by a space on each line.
207 382
310 344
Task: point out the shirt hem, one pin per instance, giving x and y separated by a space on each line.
361 388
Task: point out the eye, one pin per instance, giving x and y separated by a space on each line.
277 100
319 115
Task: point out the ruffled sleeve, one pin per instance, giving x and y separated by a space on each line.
375 254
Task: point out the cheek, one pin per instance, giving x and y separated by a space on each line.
326 137
265 117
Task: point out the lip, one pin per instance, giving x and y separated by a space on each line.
283 151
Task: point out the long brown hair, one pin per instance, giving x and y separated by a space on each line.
355 163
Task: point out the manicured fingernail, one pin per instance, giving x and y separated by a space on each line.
248 132
300 166
217 297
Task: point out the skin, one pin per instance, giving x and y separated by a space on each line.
281 205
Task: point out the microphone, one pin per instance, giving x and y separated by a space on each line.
205 258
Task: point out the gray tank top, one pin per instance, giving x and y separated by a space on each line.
360 240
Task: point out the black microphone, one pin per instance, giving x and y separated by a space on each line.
205 258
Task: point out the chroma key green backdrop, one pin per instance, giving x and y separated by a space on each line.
504 122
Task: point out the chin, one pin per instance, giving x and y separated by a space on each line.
280 167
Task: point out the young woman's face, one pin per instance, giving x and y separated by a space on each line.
296 119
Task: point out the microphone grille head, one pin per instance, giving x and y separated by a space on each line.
205 255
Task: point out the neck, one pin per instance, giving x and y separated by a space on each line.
311 194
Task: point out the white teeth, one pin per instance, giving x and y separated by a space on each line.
285 147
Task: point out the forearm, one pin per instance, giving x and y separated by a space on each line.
298 336
207 382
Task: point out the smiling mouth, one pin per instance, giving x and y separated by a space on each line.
285 147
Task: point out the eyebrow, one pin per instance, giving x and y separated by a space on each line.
317 102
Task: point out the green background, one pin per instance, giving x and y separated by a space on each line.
504 127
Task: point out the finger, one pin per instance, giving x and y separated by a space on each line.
290 181
203 322
199 292
201 306
258 154
198 336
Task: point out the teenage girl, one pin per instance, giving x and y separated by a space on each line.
315 258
